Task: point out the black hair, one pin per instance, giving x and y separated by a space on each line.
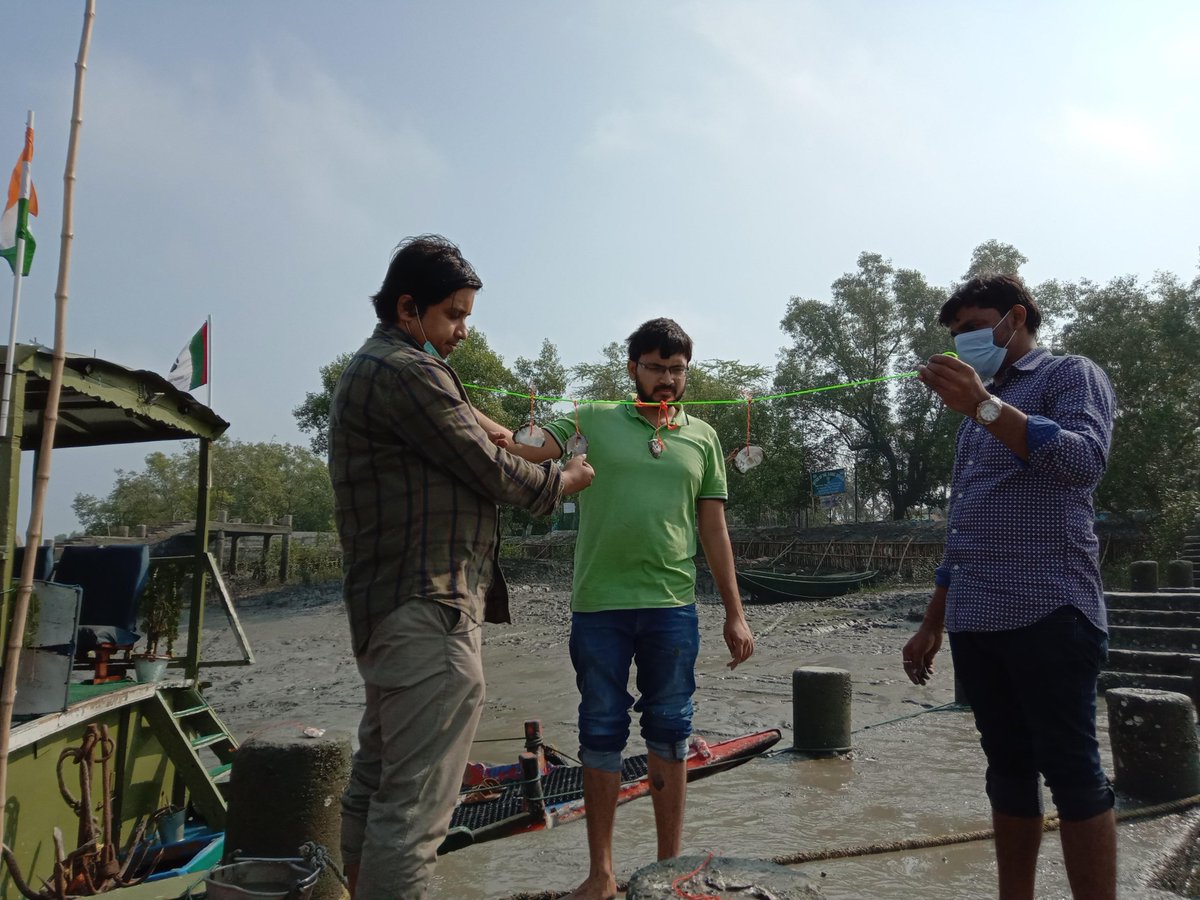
429 269
663 335
998 292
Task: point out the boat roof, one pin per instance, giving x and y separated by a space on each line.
105 403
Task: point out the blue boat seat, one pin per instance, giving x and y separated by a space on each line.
112 578
41 569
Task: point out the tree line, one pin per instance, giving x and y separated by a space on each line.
893 437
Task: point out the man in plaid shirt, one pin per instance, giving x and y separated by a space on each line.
417 476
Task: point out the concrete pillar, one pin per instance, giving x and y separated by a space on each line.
1180 573
140 531
233 545
821 710
1143 576
122 531
262 560
701 876
285 789
218 538
1155 753
285 549
960 693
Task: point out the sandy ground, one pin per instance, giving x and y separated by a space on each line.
915 770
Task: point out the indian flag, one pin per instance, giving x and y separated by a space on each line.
191 366
21 204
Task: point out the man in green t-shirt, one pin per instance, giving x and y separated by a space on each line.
660 477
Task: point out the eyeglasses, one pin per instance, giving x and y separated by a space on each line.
656 370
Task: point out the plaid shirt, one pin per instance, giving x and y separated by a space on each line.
416 485
1021 537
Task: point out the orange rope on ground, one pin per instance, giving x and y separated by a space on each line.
688 895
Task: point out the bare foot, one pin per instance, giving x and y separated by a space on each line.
597 887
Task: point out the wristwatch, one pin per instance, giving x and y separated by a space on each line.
988 411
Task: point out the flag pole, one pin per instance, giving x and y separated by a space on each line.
208 357
33 534
26 181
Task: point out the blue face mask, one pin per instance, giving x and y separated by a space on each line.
978 350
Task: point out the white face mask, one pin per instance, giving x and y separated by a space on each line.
979 351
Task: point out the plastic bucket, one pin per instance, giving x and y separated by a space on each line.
149 669
283 879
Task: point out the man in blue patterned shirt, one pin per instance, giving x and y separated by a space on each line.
1019 586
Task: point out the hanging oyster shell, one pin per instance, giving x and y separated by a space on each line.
747 458
530 437
656 447
577 444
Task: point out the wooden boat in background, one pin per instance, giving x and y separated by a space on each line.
779 587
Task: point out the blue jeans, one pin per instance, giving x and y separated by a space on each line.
664 643
1033 692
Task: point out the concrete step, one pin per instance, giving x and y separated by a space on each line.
1177 683
1157 661
1129 637
1162 618
1161 600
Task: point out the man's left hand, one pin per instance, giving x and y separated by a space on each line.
739 640
955 382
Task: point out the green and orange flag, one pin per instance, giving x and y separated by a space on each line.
19 206
191 366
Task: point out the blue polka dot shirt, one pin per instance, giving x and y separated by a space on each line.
1020 537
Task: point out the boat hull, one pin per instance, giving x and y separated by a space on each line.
778 587
506 815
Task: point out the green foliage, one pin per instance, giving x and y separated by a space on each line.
162 602
995 258
253 481
879 322
312 416
547 375
1147 338
607 379
776 489
308 563
475 362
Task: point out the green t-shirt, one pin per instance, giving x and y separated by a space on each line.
637 520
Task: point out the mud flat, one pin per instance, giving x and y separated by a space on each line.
916 770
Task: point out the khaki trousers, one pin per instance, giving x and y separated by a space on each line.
423 673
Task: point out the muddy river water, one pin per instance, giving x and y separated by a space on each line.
916 769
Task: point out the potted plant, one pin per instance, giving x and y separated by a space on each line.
160 606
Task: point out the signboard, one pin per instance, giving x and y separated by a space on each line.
832 481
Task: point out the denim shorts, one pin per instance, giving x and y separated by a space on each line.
664 643
1033 693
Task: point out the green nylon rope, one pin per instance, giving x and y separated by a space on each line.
829 387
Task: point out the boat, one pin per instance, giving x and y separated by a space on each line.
776 587
144 761
543 790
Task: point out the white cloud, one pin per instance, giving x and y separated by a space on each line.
1125 138
262 127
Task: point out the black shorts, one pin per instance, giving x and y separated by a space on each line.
1033 692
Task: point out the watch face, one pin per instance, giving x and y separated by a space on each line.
989 411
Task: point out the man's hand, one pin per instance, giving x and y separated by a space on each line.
738 639
955 382
919 652
501 438
577 474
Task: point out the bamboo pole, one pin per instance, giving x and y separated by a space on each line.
33 535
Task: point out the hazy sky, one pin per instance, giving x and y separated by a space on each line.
600 163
